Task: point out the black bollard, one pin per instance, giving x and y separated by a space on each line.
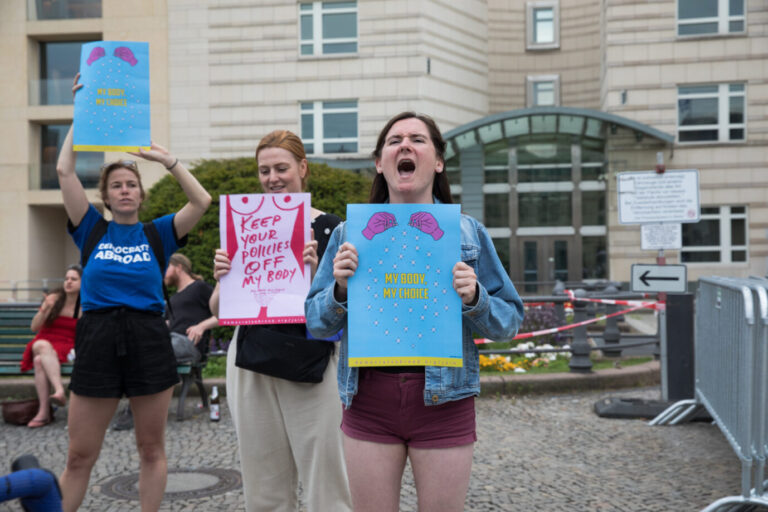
580 361
611 334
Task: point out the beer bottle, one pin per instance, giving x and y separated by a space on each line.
215 411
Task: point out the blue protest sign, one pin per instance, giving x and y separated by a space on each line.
112 108
403 309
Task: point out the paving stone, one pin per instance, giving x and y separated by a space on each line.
538 452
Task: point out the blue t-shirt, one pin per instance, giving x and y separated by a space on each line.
122 270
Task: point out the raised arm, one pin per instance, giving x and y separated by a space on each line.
45 308
75 200
198 198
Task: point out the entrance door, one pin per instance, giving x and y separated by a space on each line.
543 260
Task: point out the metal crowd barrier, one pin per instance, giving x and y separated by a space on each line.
731 376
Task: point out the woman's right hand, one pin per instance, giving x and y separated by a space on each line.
48 303
221 264
344 267
76 86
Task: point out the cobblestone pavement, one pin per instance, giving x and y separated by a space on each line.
548 453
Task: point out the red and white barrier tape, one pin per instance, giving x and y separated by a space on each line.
543 332
607 301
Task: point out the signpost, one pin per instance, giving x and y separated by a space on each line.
659 278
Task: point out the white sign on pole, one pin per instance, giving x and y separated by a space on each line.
661 236
649 197
659 278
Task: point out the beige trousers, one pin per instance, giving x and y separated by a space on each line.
288 432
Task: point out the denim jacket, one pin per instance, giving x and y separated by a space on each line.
497 315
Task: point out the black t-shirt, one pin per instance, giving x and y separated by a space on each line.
190 307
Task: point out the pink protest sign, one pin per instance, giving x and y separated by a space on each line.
264 235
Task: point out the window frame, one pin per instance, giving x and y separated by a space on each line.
723 96
723 20
530 9
318 40
530 89
318 110
724 216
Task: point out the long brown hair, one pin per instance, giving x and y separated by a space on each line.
61 298
289 141
440 186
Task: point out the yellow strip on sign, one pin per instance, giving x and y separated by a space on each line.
124 149
454 362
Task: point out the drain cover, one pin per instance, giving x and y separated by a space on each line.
182 484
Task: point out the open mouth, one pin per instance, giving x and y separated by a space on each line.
406 165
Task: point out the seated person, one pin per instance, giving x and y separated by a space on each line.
189 314
54 324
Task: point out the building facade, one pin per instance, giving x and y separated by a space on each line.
543 103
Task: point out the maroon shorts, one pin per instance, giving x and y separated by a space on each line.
389 408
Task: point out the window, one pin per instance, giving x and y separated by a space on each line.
329 127
543 25
708 17
719 237
88 164
328 28
63 9
709 113
543 90
59 63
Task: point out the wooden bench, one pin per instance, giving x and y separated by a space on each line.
15 333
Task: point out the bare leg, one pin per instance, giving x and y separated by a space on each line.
375 472
88 421
441 476
150 414
52 369
47 369
42 389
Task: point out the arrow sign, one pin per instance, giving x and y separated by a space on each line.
659 278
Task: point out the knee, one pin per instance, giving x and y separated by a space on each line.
151 452
81 460
38 362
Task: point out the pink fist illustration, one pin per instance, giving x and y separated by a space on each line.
95 55
425 222
125 53
378 223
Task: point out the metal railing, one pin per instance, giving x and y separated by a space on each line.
731 368
614 341
27 290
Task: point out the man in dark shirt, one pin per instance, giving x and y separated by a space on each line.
189 314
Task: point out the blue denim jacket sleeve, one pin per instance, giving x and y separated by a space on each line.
498 313
325 315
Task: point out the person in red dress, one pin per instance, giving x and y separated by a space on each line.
54 324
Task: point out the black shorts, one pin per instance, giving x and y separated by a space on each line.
122 352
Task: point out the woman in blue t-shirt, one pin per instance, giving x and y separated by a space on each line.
122 343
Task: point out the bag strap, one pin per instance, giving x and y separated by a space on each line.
97 231
156 243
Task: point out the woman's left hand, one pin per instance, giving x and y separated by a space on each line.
465 283
156 153
310 255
